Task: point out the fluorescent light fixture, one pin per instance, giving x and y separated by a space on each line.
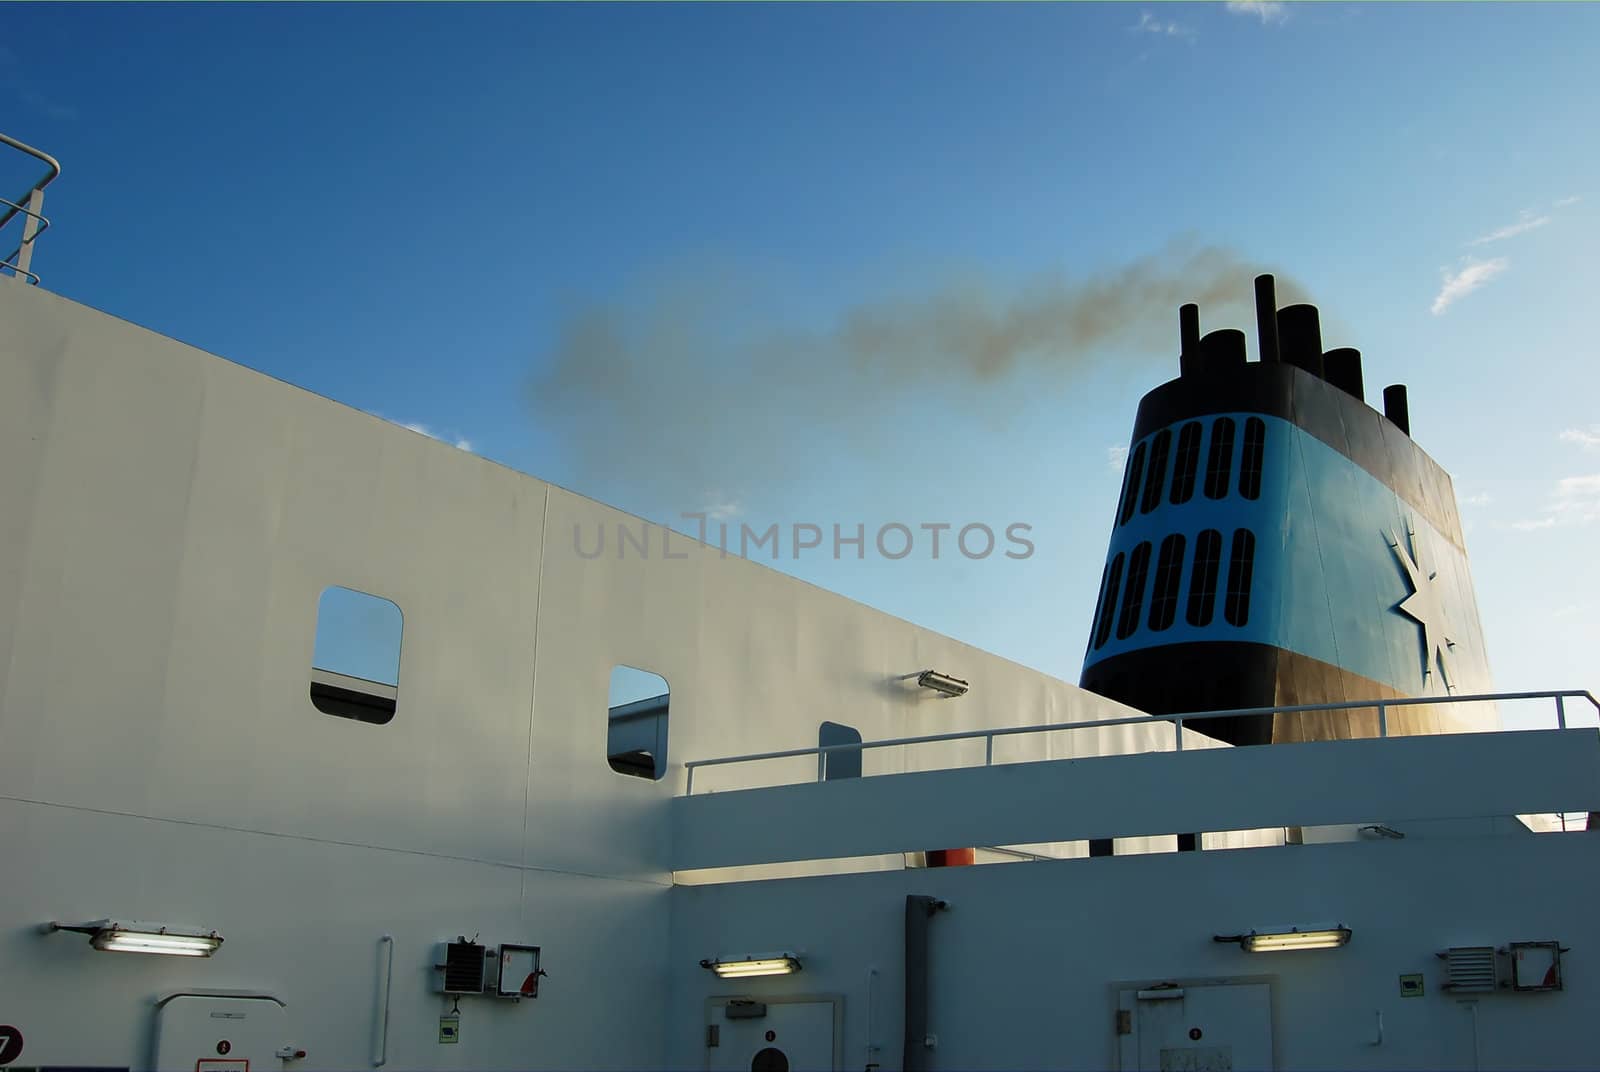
753 966
110 936
950 686
1276 941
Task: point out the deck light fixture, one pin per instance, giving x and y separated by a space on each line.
110 936
1275 941
751 966
944 683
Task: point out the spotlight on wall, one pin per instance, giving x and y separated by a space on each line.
950 686
1283 940
110 936
752 966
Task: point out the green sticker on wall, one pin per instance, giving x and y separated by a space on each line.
449 1029
1411 985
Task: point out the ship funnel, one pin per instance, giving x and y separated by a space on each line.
1395 407
1188 339
1267 318
1342 366
1300 337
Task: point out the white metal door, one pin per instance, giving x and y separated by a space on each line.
213 1033
788 1036
1199 1029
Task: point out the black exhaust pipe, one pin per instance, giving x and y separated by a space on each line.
1395 407
1267 318
1300 337
1188 339
1223 349
1343 369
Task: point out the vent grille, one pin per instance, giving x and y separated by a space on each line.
1470 969
463 968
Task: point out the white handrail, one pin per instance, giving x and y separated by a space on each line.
382 1057
1178 721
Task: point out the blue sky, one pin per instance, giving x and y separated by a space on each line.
409 209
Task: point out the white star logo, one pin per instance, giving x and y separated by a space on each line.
1425 607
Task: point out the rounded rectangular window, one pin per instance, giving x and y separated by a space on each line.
842 764
1108 604
1169 575
1236 609
1186 463
1255 440
1133 595
1130 487
1219 464
1203 578
355 661
636 723
1155 483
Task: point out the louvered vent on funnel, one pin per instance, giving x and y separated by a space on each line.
463 968
1470 969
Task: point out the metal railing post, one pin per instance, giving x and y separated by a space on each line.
822 766
1177 734
1561 712
1383 721
988 750
688 785
30 227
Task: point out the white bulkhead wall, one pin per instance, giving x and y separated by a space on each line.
170 522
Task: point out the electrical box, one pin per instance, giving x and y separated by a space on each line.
519 971
1535 965
461 967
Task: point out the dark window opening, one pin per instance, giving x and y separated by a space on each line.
1255 440
636 723
1220 462
1203 578
1155 481
1102 629
355 660
1236 609
1130 490
845 764
1187 461
1169 575
1099 607
1133 595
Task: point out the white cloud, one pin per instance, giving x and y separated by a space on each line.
719 507
1482 498
459 442
1270 12
1565 201
1575 501
1116 458
1577 498
1589 440
1525 223
1472 275
1148 23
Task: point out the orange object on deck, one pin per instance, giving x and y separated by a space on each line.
951 857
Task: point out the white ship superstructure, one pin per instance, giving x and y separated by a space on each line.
490 863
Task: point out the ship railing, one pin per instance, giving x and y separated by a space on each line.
30 208
1179 723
